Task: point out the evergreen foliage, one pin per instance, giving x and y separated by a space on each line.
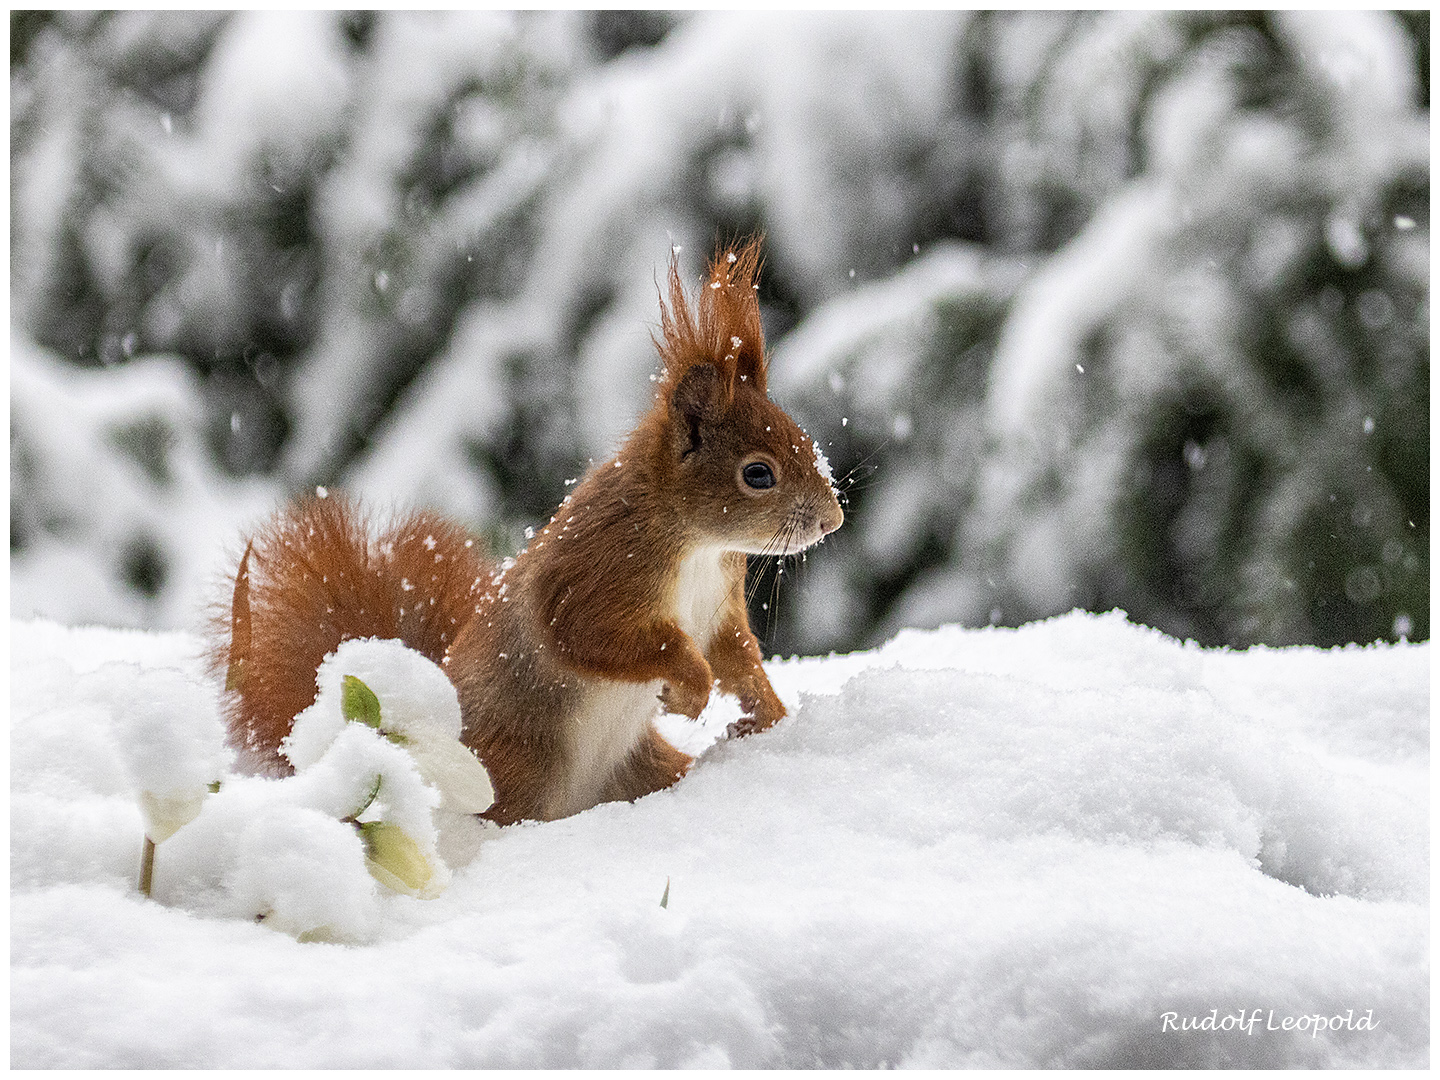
1107 309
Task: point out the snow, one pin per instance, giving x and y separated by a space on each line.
964 848
416 696
277 78
847 338
109 467
170 765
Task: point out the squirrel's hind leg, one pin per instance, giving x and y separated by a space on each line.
652 766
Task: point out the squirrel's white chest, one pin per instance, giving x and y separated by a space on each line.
610 721
613 716
700 591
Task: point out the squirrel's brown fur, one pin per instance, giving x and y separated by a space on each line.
318 575
633 591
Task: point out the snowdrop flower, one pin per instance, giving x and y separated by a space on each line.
395 860
420 712
387 720
170 735
165 815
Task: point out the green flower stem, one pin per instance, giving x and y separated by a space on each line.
147 866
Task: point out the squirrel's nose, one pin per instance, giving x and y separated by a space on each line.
832 517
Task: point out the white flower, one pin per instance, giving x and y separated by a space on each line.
166 814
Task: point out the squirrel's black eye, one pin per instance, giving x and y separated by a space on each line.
758 475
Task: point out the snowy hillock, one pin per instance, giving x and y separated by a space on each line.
1062 845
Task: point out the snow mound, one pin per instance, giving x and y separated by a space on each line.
1040 847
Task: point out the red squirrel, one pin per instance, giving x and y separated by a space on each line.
632 598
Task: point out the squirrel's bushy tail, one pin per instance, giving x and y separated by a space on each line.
316 575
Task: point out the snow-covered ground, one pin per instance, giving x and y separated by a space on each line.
1062 845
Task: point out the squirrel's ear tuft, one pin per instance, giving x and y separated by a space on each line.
723 326
734 290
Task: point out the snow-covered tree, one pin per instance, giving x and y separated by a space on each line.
1209 404
1109 309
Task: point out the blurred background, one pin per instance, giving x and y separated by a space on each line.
1107 309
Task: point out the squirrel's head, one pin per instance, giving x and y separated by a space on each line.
750 478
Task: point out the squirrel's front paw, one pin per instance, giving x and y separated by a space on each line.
684 700
764 714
